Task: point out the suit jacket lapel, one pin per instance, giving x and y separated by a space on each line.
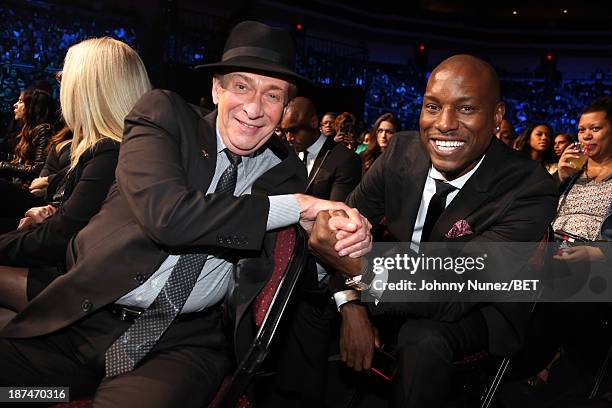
413 186
323 153
207 144
277 175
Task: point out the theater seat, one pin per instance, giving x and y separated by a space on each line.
290 256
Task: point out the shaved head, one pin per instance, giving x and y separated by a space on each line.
300 123
301 107
463 64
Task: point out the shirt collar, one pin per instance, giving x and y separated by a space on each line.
221 146
315 148
459 182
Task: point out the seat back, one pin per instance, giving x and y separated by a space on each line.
290 256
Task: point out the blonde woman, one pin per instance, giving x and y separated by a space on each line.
102 80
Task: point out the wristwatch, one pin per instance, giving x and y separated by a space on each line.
361 282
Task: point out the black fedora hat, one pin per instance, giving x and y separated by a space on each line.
256 47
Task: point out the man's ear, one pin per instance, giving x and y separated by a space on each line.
216 88
500 112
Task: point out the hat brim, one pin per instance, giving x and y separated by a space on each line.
258 66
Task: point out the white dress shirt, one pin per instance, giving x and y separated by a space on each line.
429 190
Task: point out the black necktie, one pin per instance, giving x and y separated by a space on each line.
436 207
304 157
144 333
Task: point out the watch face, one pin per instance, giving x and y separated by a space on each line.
357 284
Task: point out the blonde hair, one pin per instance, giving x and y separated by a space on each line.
102 80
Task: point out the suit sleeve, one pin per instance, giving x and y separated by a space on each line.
153 180
369 196
348 176
46 243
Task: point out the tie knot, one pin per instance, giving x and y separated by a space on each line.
443 189
235 159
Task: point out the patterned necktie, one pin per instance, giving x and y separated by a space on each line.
144 333
436 207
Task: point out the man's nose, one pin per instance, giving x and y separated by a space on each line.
447 120
253 107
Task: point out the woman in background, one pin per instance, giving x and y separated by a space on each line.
536 142
35 109
383 130
102 80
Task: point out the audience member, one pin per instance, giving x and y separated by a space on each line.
327 124
583 216
561 142
364 140
536 142
35 109
333 170
42 189
94 115
345 128
383 130
138 270
501 195
587 188
505 132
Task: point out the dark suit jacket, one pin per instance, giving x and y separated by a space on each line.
509 198
159 206
89 182
335 173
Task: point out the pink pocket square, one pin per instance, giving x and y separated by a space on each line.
459 229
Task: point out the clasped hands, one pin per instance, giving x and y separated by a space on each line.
36 215
339 235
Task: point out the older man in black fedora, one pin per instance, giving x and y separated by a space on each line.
137 317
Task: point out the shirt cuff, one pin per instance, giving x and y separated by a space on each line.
284 210
345 296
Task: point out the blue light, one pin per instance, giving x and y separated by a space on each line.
16 34
120 32
198 56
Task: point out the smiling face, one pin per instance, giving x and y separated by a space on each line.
19 108
384 133
595 133
459 115
539 140
249 107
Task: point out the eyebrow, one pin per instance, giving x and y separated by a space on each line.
251 82
461 99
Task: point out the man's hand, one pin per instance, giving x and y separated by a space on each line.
580 254
39 214
357 337
324 243
311 206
